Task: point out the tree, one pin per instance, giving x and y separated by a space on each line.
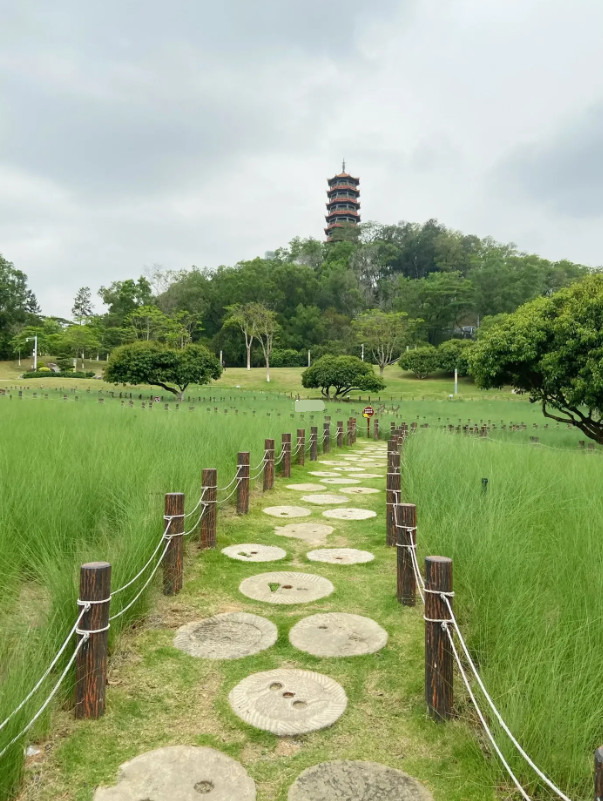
385 334
265 327
18 305
244 317
123 297
154 364
343 374
148 322
454 355
75 341
420 361
552 348
440 299
82 304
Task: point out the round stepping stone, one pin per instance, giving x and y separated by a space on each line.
321 473
325 499
352 780
309 532
341 556
353 469
349 514
287 511
342 480
288 702
369 475
179 773
359 490
306 487
286 587
231 635
252 552
332 463
337 634
352 458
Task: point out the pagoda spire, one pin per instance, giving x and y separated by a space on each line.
343 166
343 202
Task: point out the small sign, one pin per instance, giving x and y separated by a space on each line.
368 411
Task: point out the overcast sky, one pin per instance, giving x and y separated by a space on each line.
192 132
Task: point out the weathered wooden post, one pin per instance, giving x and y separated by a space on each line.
301 446
348 433
209 481
392 428
313 443
354 430
375 428
599 774
340 433
286 440
326 447
438 653
243 482
392 496
173 561
268 464
406 541
91 661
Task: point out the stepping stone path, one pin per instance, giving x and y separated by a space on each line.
368 475
180 773
231 635
309 532
306 487
287 511
333 464
340 556
252 552
286 587
341 480
337 634
325 499
349 514
320 473
356 781
288 702
359 490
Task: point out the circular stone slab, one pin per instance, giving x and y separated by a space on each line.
349 514
288 702
231 635
353 469
180 773
333 464
368 475
337 634
356 781
286 587
359 490
325 499
309 532
287 511
342 480
340 556
252 552
321 473
306 487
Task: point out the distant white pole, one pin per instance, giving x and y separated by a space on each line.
35 351
220 358
362 346
309 359
19 357
456 381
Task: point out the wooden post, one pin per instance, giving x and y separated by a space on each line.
348 434
243 483
599 774
286 439
173 564
301 446
313 443
326 447
209 481
392 428
375 428
354 430
406 539
392 496
91 661
340 433
438 653
269 464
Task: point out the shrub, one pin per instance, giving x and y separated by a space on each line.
343 374
287 357
454 354
420 361
47 373
65 364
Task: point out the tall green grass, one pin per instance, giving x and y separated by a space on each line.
82 482
528 574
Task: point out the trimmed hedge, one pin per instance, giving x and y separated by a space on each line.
45 374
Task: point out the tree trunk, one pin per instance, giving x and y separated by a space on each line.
267 370
248 356
381 369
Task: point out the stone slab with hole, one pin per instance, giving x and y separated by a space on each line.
308 532
341 480
369 475
287 511
286 587
288 702
306 487
352 780
340 556
359 490
231 635
180 773
349 514
254 552
338 634
324 499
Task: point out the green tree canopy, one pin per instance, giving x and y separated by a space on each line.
420 361
454 355
552 348
160 366
385 334
18 305
341 375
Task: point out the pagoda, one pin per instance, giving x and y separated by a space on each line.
343 202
